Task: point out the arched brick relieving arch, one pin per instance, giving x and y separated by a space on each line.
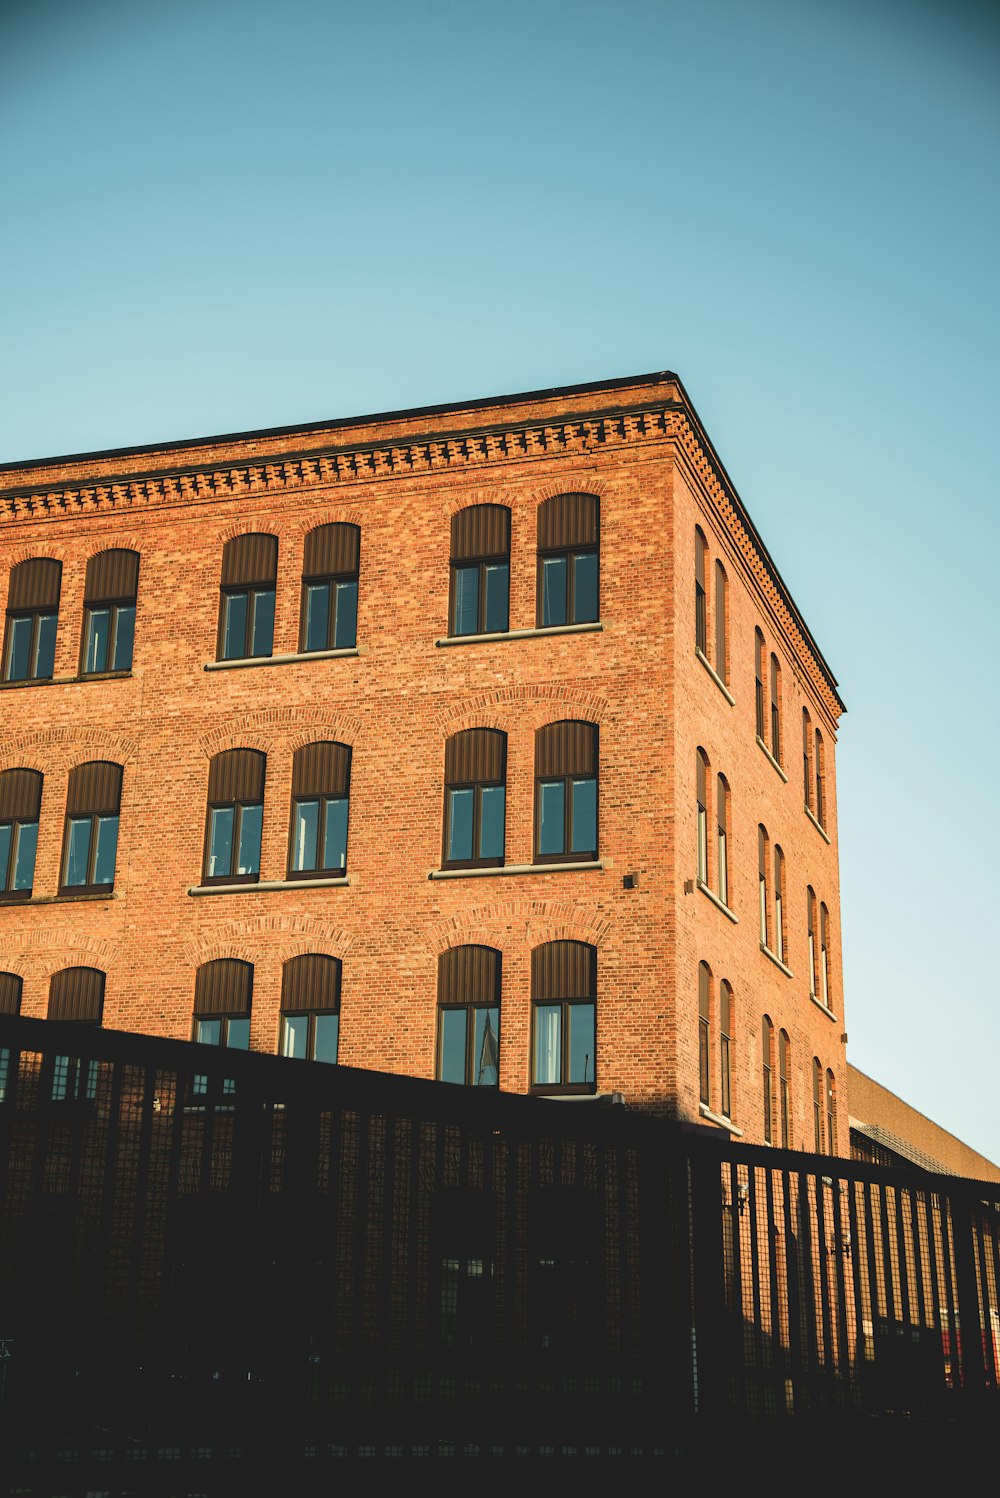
534 705
509 925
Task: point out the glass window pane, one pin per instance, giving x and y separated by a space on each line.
238 1034
263 623
124 637
234 628
251 822
19 649
548 1036
208 1031
294 1035
460 805
584 816
552 817
451 1060
304 831
327 1037
585 588
554 590
220 841
466 601
107 846
317 616
95 656
486 1048
491 821
335 835
497 597
6 838
581 1043
346 633
45 650
78 852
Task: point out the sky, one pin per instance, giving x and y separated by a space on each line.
226 214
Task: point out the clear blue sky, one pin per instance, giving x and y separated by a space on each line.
226 214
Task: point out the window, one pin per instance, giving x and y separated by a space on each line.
235 817
93 800
568 587
807 778
222 994
725 1048
310 1007
818 1105
767 1073
779 904
762 856
475 798
329 618
246 611
705 1032
783 1086
703 769
566 759
10 1003
563 1001
722 838
76 994
824 956
32 610
480 571
469 1016
321 779
109 612
775 709
811 937
20 802
819 760
758 655
721 623
700 593
831 1114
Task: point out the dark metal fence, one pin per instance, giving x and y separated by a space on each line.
210 1259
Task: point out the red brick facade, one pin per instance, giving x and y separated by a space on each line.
638 447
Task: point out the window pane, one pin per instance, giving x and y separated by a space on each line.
460 805
220 841
79 851
486 1048
6 838
107 845
585 588
581 1043
251 822
19 649
466 601
335 835
24 855
45 657
234 629
317 616
294 1035
554 590
304 834
238 1034
547 1043
451 1062
491 828
98 632
263 623
208 1031
346 633
327 1037
497 597
551 817
584 816
124 637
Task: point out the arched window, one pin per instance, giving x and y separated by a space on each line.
775 709
564 1002
820 768
475 798
480 571
10 993
310 1007
700 593
246 605
93 802
566 772
807 776
762 861
469 1016
29 651
725 1048
568 532
705 1032
329 615
811 937
222 993
321 781
703 769
824 956
784 1069
76 994
109 611
722 838
818 1105
831 1114
758 656
767 1076
721 623
20 803
779 904
235 817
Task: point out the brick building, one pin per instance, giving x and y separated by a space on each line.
482 741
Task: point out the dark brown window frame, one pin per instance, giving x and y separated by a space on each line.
477 787
94 601
566 1003
46 573
248 587
239 806
300 797
468 1005
570 550
27 816
330 579
461 559
567 777
94 813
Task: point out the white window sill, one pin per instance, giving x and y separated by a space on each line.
522 634
720 1119
822 1007
715 677
721 904
776 960
818 825
520 868
771 758
339 881
284 660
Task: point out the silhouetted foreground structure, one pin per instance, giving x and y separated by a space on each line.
216 1263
